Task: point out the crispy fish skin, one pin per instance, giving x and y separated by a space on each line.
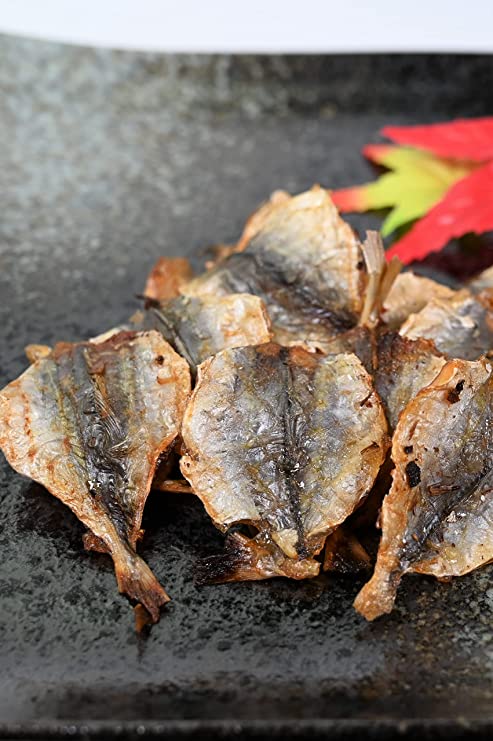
198 327
361 341
460 327
89 423
409 294
400 367
404 368
464 540
167 277
253 224
303 261
436 519
35 352
256 221
286 441
482 282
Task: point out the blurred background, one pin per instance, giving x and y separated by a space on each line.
320 26
257 26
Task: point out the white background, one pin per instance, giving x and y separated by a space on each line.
258 25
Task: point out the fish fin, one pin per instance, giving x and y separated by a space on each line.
245 559
377 597
136 580
344 554
142 618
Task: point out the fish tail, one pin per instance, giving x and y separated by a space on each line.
136 580
377 597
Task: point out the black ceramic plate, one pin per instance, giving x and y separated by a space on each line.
108 160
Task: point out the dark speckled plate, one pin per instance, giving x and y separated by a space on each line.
108 160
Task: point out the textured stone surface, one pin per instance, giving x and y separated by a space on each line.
108 160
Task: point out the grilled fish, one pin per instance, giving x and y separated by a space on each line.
400 367
286 441
409 294
167 277
90 422
482 282
438 516
198 327
303 261
460 327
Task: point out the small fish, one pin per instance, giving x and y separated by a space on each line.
400 367
198 327
89 422
287 442
303 261
437 518
460 326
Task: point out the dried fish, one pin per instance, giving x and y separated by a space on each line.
400 367
482 282
286 441
89 422
303 261
460 327
437 517
409 294
404 368
198 327
167 277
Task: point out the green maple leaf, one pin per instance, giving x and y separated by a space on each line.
417 181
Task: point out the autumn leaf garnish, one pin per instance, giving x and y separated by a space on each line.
463 139
416 182
466 207
443 177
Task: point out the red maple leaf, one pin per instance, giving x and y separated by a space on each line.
463 139
466 207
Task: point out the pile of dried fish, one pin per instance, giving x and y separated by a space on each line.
312 393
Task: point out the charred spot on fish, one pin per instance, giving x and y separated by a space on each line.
223 567
160 360
260 272
453 395
366 401
149 301
360 265
302 550
438 489
408 449
413 473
